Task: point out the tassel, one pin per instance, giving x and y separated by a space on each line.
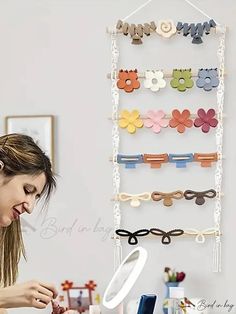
217 255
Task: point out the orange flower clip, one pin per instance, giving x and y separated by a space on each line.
181 120
128 80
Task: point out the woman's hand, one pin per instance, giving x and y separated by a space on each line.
29 294
57 309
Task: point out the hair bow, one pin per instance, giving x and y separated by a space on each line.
200 234
167 197
200 196
166 235
132 236
134 198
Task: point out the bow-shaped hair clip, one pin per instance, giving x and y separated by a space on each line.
200 196
166 236
200 234
134 198
180 159
205 159
167 197
130 161
155 160
132 236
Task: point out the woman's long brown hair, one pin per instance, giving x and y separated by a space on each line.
20 155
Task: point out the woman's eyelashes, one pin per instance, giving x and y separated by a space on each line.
27 191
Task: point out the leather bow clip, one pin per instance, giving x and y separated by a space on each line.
205 159
200 196
200 234
155 160
167 197
130 161
132 236
134 198
166 236
180 160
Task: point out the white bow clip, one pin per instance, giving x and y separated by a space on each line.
200 234
134 198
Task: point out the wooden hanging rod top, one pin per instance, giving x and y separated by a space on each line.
112 30
167 74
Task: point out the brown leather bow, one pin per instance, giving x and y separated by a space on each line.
200 196
167 197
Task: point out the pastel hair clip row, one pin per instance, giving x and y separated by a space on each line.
167 198
156 160
181 79
166 29
166 235
156 120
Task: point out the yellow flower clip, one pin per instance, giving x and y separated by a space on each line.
130 120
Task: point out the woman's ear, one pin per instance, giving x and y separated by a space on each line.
1 165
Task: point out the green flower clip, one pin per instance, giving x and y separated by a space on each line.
181 79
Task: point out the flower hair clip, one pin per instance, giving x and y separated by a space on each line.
155 80
156 120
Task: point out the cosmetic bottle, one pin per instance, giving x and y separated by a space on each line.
176 296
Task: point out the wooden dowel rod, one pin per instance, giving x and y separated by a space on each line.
142 74
111 30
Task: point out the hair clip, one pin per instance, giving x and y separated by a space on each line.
200 234
180 160
196 30
182 79
181 120
200 196
136 31
130 161
205 120
207 79
128 80
205 159
130 120
155 160
166 28
156 120
154 80
167 197
132 237
166 236
134 198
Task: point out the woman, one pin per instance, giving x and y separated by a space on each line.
25 177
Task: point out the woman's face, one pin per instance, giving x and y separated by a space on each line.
19 195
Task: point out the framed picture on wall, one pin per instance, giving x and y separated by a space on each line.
39 127
79 298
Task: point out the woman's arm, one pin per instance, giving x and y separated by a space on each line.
3 311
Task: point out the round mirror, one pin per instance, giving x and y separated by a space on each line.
124 277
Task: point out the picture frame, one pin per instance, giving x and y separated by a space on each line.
79 298
39 127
